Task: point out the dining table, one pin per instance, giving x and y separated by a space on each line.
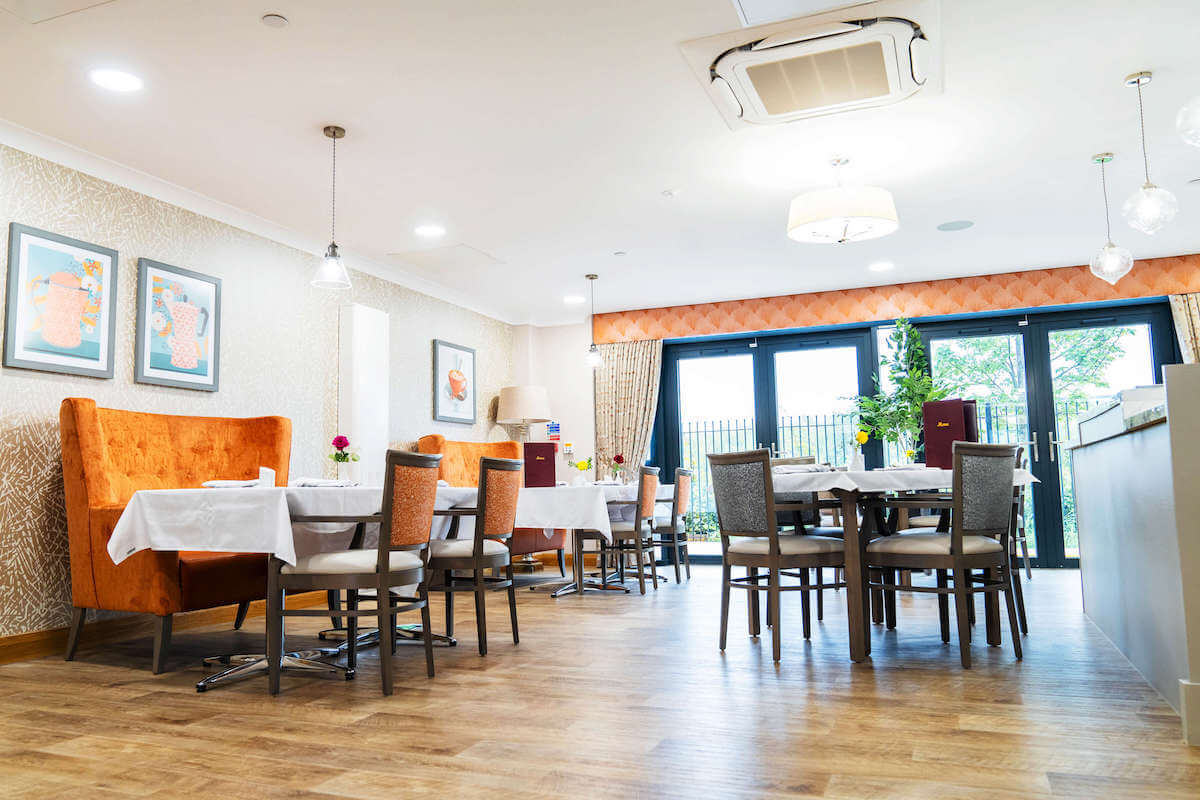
851 489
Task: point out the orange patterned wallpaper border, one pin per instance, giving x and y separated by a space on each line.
1009 290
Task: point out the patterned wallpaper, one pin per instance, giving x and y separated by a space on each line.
1031 289
278 356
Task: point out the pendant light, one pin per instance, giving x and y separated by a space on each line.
593 357
1111 262
331 273
842 213
1150 207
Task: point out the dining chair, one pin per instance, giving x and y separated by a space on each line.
400 560
636 537
982 511
1019 539
750 538
670 529
488 551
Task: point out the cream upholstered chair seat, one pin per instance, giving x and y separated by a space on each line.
931 544
663 524
462 548
788 545
624 526
347 562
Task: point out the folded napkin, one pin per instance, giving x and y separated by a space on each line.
903 467
321 483
608 482
266 477
443 483
784 469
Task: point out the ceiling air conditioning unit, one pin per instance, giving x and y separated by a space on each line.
824 64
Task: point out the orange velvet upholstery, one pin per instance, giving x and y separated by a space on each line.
460 467
108 454
414 494
500 504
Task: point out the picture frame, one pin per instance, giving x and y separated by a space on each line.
454 391
61 304
178 342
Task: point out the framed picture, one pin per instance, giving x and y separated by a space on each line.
61 311
178 327
453 383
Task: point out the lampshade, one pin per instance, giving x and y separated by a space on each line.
331 272
1111 263
521 405
842 214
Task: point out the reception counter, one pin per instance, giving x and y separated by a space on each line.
1137 495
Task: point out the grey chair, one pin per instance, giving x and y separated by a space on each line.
746 517
982 513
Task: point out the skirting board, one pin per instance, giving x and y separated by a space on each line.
1189 711
38 644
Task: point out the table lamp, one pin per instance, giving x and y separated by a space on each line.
521 406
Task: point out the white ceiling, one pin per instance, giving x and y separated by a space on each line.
543 134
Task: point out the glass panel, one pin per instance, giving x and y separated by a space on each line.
716 415
991 371
1088 367
814 400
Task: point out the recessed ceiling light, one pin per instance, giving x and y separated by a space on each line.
881 266
955 225
429 231
669 192
115 80
618 252
574 299
274 20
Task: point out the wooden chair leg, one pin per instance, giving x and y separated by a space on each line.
78 616
162 643
512 602
991 608
653 564
675 556
352 627
387 632
1010 606
805 606
240 618
752 604
641 559
876 597
334 598
562 562
1014 572
773 598
1025 555
963 600
447 581
725 577
275 631
687 560
944 605
820 593
889 600
481 611
426 627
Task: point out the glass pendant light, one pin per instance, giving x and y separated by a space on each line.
331 272
594 359
1111 262
1150 207
1187 121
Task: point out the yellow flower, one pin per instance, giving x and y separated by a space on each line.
861 437
581 465
910 453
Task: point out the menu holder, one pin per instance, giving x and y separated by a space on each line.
539 464
947 422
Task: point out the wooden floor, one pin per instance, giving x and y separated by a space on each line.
614 696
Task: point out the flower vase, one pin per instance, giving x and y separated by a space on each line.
616 476
343 470
856 463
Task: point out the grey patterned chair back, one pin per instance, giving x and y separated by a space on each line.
741 485
983 489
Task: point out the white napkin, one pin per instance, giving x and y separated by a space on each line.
321 483
266 477
903 467
784 469
608 482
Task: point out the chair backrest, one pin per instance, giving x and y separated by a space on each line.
647 495
496 509
460 460
781 460
983 492
410 482
745 497
682 498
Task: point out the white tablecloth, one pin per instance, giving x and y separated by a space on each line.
548 508
877 480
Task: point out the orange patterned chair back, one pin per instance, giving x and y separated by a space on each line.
683 490
648 492
499 484
409 493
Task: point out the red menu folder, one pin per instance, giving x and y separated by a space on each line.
947 422
539 464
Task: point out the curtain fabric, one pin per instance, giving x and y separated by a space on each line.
1185 310
626 399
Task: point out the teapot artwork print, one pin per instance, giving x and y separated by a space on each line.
178 327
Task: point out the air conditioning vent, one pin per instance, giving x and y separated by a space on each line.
820 65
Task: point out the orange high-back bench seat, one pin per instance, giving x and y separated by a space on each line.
107 455
460 467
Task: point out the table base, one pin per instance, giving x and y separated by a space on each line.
246 665
410 633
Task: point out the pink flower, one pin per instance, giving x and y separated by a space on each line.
340 442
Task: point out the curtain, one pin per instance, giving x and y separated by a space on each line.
1185 310
626 399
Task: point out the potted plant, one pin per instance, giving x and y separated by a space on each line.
897 414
